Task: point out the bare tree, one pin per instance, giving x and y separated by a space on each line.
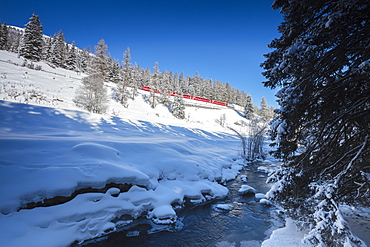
92 95
255 139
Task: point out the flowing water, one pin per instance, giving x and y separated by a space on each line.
248 223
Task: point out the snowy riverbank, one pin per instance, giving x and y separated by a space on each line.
69 175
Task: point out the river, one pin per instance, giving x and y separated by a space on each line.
246 223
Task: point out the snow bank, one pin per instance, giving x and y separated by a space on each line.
68 175
288 236
119 168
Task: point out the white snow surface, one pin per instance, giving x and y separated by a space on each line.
288 236
50 148
223 207
246 189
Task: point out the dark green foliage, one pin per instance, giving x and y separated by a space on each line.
58 52
178 107
71 59
322 63
4 36
33 40
249 108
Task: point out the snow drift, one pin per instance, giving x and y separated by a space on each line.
69 176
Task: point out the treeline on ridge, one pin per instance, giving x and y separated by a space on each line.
32 44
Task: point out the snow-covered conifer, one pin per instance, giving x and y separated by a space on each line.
248 109
207 88
100 61
165 87
84 60
265 111
4 36
197 84
321 63
58 53
71 61
154 84
182 82
122 86
178 107
136 78
14 39
47 50
33 43
114 72
127 69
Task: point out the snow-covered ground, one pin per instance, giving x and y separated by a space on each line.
46 152
68 175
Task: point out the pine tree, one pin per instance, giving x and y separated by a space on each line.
182 83
165 88
14 39
135 80
100 62
207 88
33 40
71 61
84 60
249 109
47 49
265 112
146 77
322 62
114 72
154 84
58 53
228 93
197 83
4 36
127 78
178 106
122 86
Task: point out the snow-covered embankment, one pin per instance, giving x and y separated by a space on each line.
69 176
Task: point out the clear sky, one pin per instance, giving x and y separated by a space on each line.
221 39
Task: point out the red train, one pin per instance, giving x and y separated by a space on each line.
188 96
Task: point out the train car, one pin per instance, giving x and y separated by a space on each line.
149 89
218 103
146 88
188 96
201 99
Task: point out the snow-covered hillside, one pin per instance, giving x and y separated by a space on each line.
69 175
66 175
56 87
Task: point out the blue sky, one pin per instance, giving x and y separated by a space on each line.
221 39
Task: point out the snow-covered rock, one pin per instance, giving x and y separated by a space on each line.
260 196
265 169
246 190
244 178
163 215
223 207
266 202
